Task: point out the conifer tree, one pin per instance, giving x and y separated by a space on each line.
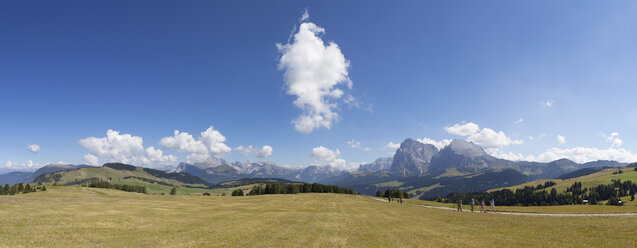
173 191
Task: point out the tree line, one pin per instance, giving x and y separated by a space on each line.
123 187
20 188
394 193
294 188
539 196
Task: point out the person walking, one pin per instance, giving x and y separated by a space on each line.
389 198
473 202
492 202
460 205
482 207
400 200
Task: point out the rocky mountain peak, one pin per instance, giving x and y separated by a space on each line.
412 158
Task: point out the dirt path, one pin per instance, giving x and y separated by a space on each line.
527 214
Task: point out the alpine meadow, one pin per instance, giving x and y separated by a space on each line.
318 124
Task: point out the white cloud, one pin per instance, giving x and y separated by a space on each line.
531 138
486 138
519 121
561 139
123 148
33 148
547 103
392 145
463 129
210 144
324 156
438 144
357 145
313 72
305 16
489 139
587 154
614 139
91 159
25 166
263 152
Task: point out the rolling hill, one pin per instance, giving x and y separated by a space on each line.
27 177
156 181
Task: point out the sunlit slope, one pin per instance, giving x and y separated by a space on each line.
89 217
591 180
156 182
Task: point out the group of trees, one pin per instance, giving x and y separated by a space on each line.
294 188
123 187
20 188
539 196
394 193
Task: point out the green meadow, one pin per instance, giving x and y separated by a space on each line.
91 217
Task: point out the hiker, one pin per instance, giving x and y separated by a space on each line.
482 207
473 202
460 205
492 205
389 198
400 200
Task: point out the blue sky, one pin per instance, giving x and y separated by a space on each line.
74 69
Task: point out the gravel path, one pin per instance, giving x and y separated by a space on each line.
528 214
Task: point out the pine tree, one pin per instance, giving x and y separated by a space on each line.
173 191
379 193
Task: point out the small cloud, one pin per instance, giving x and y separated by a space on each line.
357 145
614 139
438 144
531 138
247 151
33 148
561 139
519 121
305 16
547 103
392 145
465 129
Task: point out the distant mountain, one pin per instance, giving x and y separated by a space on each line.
412 158
425 171
216 170
377 165
27 177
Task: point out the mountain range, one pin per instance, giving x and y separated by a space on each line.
421 169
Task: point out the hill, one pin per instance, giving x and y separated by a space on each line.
27 177
605 176
90 217
156 181
252 181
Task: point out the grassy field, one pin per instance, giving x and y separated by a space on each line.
602 177
88 217
629 208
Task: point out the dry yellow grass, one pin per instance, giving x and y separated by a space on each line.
88 217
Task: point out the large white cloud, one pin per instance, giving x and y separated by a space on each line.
33 148
124 148
438 144
262 152
325 156
210 144
577 154
313 73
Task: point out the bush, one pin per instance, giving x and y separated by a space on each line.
237 192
